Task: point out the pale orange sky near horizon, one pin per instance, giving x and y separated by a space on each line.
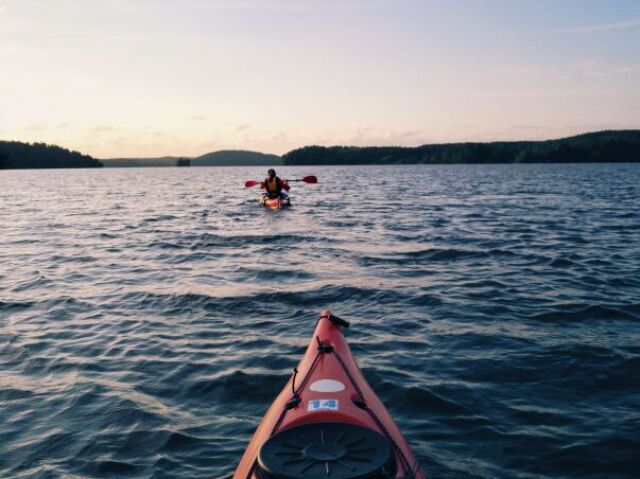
136 78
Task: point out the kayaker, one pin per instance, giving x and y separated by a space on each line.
274 186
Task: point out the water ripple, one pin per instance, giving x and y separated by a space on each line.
147 323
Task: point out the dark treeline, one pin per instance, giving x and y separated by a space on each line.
15 154
605 146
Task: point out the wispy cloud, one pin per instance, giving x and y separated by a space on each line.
534 72
39 127
295 5
367 136
571 71
541 93
604 27
104 129
36 127
528 127
631 69
596 69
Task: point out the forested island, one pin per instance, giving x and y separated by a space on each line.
605 146
15 154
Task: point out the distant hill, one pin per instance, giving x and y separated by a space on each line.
18 155
140 162
216 158
236 158
604 146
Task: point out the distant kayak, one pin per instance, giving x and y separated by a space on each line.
274 203
327 422
282 202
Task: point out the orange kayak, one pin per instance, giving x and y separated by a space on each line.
274 203
327 422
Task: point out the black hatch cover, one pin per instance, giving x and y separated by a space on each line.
326 450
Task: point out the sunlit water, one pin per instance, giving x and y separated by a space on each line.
148 317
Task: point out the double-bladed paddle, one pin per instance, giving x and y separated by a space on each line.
307 179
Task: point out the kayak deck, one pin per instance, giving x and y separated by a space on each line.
319 424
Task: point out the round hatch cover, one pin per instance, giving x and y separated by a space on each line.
326 450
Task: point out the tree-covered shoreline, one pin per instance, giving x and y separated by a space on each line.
604 146
19 155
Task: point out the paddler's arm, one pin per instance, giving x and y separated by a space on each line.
285 185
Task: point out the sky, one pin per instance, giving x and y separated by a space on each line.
143 78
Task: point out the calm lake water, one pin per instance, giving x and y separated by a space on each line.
148 317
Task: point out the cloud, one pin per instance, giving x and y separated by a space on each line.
595 69
35 127
629 69
568 72
243 127
280 136
605 27
295 5
198 117
530 71
521 70
541 93
529 127
367 136
104 129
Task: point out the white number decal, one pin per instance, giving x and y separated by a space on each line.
323 405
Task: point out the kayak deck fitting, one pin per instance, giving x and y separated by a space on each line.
327 422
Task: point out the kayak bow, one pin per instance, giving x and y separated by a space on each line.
327 422
274 203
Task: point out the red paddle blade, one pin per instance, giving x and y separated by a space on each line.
310 179
250 183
